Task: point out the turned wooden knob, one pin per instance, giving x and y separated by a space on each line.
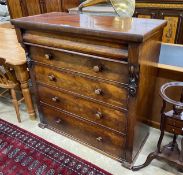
98 91
99 139
48 56
97 68
58 121
55 99
99 115
51 77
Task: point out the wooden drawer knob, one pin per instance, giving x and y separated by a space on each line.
99 139
51 77
48 56
97 68
99 115
98 91
55 99
58 121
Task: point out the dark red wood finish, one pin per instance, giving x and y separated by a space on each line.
117 89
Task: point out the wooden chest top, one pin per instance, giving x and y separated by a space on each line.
129 29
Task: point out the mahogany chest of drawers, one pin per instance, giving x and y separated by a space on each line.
94 77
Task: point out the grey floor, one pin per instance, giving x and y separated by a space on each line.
156 168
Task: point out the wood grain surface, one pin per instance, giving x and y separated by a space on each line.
63 50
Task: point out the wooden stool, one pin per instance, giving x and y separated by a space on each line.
15 58
9 83
172 122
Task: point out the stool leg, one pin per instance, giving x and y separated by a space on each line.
15 104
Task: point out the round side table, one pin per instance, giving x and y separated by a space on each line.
172 122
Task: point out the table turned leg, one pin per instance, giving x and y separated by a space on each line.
149 159
162 133
181 156
23 77
181 153
160 141
174 142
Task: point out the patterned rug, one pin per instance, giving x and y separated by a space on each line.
22 153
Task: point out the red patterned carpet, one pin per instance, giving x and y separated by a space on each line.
22 153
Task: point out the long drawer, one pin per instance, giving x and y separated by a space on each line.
174 122
93 112
96 89
174 130
106 69
95 136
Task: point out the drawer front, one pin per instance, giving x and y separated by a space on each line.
92 135
92 88
85 64
88 110
174 122
174 130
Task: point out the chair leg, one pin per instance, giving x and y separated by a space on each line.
15 104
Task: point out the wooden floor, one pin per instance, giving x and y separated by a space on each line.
6 25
